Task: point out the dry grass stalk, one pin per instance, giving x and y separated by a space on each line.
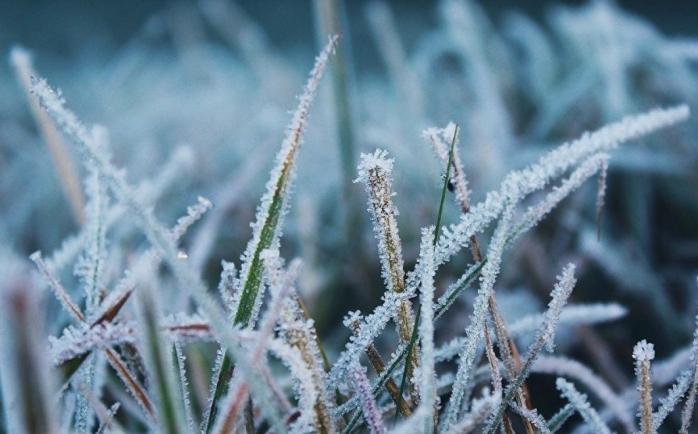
67 174
643 355
378 364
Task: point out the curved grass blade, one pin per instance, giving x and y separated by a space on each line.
159 364
266 229
439 215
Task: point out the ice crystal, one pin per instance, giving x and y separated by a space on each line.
562 366
266 229
559 296
427 374
643 353
671 400
479 410
549 166
473 332
533 417
580 403
363 389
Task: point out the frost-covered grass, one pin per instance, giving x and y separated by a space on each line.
542 250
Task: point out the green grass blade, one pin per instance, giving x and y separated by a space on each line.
267 236
328 18
267 227
159 364
447 180
439 216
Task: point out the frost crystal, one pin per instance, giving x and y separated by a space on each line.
563 366
184 385
533 417
353 317
367 332
671 400
375 171
80 339
601 197
480 409
266 230
229 286
90 266
580 403
58 290
194 213
77 340
534 214
551 165
643 353
570 315
363 389
427 374
473 332
560 295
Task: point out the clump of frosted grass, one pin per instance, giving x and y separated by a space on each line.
298 348
157 322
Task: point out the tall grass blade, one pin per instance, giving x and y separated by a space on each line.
329 21
159 364
439 216
267 227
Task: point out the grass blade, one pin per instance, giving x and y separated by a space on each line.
439 215
23 370
328 17
266 229
559 418
158 363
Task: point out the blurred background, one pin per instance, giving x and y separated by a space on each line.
63 29
196 96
